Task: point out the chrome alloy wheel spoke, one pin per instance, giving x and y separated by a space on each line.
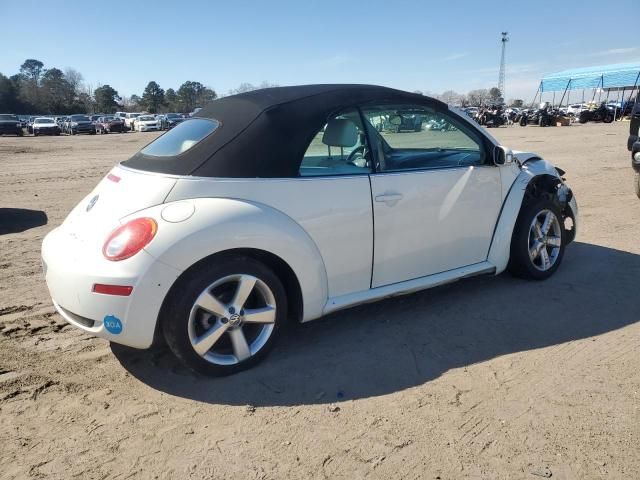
239 344
245 287
260 315
205 342
545 240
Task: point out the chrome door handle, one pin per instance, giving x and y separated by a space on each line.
389 197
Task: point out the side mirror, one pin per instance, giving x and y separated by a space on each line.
502 155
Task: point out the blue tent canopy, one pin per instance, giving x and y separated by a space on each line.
604 76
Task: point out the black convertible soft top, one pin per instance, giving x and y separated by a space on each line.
264 133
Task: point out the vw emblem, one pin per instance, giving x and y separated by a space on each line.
234 320
92 202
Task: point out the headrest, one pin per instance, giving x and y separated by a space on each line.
340 132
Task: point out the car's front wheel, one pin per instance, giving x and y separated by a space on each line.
538 241
224 315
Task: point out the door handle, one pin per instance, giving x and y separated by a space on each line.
389 197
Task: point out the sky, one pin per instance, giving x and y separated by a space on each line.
411 45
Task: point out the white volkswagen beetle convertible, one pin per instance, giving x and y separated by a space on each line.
291 203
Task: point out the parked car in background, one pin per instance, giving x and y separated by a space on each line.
130 118
249 220
29 124
10 125
145 123
79 124
45 126
575 109
109 124
169 120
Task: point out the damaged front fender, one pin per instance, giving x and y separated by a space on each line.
537 179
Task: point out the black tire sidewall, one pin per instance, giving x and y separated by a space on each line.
174 316
519 262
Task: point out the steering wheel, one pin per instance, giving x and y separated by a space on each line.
356 151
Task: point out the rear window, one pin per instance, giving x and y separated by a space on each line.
181 138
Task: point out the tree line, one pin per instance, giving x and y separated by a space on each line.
39 90
474 98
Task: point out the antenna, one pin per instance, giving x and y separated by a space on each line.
505 39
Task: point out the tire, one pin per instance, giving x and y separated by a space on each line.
184 321
523 122
636 184
583 118
608 119
523 240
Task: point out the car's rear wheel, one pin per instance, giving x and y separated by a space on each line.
538 241
224 315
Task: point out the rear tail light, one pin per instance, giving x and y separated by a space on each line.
128 239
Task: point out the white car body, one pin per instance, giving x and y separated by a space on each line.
146 123
130 118
310 223
576 108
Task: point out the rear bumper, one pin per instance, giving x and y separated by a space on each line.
72 267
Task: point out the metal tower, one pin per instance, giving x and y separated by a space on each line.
505 39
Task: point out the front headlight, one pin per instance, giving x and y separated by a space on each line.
18 125
74 124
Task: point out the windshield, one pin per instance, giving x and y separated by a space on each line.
108 119
8 117
146 118
79 118
181 138
173 115
44 120
133 115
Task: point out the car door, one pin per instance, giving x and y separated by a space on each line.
436 193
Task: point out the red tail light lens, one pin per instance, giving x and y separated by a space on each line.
128 239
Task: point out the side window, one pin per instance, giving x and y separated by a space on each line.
418 138
339 148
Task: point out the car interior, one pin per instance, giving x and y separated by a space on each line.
403 139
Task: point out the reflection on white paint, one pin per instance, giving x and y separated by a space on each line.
453 195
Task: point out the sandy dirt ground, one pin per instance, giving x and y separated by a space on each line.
488 378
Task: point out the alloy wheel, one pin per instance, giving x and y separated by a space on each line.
545 240
232 319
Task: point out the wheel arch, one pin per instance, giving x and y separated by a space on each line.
284 272
224 226
537 180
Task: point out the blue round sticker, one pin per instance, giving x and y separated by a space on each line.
112 324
